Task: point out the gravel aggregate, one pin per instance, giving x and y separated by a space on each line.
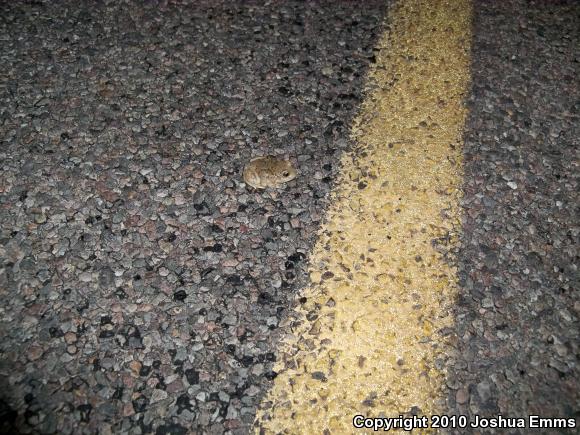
142 283
517 314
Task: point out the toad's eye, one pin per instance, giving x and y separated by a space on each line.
285 173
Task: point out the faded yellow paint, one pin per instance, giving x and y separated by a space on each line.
368 338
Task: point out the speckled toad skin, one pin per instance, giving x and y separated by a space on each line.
268 171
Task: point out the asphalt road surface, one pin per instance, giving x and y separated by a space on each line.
423 261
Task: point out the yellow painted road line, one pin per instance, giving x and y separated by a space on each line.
368 340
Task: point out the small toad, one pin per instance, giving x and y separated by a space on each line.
268 171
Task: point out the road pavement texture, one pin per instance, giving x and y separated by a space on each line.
143 282
367 339
517 314
144 288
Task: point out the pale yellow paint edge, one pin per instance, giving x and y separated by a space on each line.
368 340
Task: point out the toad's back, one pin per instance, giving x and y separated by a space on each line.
268 171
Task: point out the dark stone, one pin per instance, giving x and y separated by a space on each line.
140 404
235 280
216 228
192 376
118 394
215 248
247 360
85 411
184 402
55 332
265 298
172 237
83 307
296 257
106 320
319 376
180 295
